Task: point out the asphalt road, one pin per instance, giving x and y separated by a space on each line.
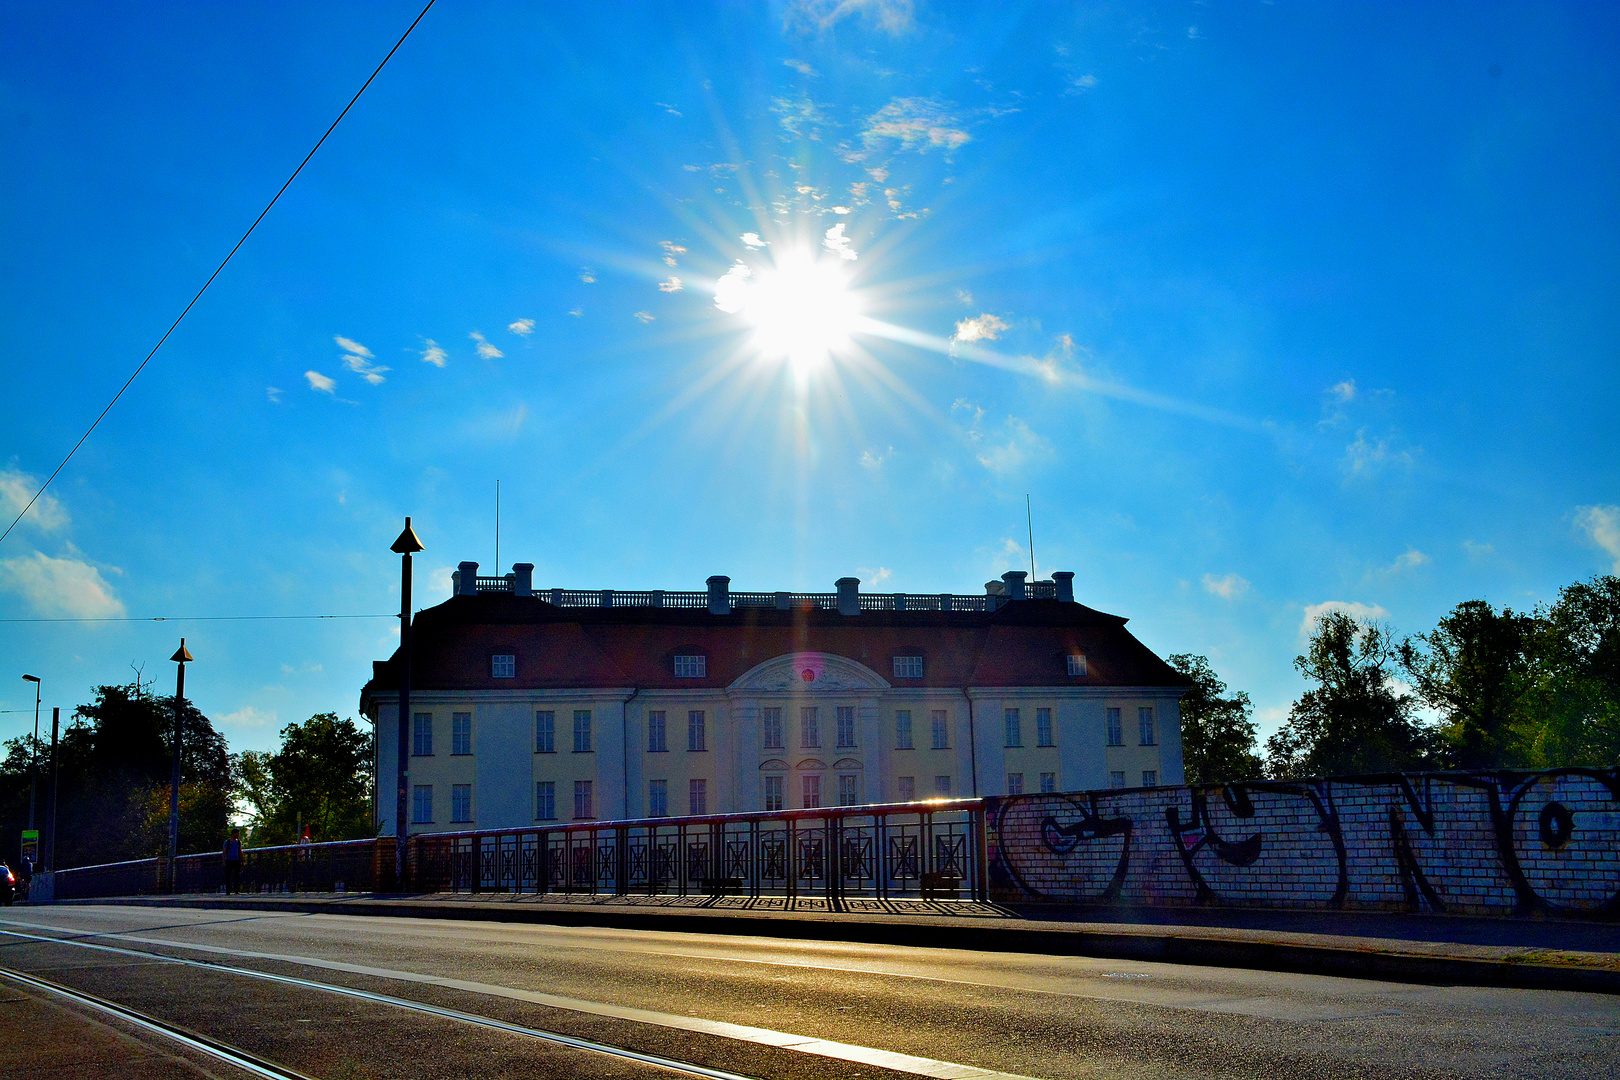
761 1007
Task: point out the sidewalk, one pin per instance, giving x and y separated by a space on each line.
1525 953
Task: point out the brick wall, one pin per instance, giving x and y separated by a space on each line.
1496 843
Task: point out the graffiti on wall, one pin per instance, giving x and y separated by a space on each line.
1463 843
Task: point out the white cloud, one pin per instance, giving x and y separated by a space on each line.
964 297
916 124
1344 391
439 580
349 345
1193 33
840 210
522 328
1477 550
433 354
893 16
873 461
372 373
1359 611
731 290
644 316
577 312
671 249
1411 560
485 349
1018 444
836 241
752 240
587 275
273 393
1602 525
874 576
667 107
672 285
248 716
1229 587
800 66
1365 457
60 588
986 327
800 118
1081 83
320 382
16 488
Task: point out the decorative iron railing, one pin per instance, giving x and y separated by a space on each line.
345 865
785 601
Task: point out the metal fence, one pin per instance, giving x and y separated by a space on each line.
346 865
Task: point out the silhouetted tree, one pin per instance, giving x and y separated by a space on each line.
1476 670
321 775
1217 729
1574 702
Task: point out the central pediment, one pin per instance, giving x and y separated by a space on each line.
809 673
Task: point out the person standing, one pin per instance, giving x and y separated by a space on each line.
233 862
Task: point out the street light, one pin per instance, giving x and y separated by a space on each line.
405 546
33 756
180 657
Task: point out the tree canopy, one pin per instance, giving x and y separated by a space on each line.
321 778
1217 728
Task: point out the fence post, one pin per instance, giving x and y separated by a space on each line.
621 868
831 859
981 853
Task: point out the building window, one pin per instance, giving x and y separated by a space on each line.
1116 732
545 800
461 734
809 727
907 788
1043 727
691 666
942 785
582 732
422 804
1015 783
697 733
1048 783
908 667
848 789
1144 726
902 729
422 735
1013 726
1077 663
1116 779
503 666
941 729
773 793
461 802
812 792
846 726
697 796
545 731
582 799
658 798
1150 777
657 743
771 729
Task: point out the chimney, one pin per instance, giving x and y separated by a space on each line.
1015 584
523 579
849 595
1064 579
467 579
719 595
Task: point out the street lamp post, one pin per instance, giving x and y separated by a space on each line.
33 753
405 546
50 817
180 657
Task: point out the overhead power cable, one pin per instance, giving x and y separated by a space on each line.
216 273
200 618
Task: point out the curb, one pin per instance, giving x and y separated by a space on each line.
1176 947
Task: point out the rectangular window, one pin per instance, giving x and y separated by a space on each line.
773 793
902 729
1116 732
545 731
545 800
582 732
1048 782
422 734
812 792
582 799
503 667
688 666
697 796
908 667
942 729
1043 727
809 727
461 733
848 789
1077 663
942 785
1116 779
907 788
422 804
657 743
771 729
697 734
846 726
461 802
1015 783
1150 777
1014 727
1144 726
658 798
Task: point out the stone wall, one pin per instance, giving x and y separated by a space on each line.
1500 843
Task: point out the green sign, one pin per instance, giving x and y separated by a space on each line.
30 845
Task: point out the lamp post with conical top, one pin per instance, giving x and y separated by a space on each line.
406 545
181 657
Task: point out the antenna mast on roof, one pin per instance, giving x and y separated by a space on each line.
1030 517
497 526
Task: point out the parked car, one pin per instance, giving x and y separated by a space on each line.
8 885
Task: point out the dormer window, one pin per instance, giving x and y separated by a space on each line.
503 666
908 666
1077 663
691 665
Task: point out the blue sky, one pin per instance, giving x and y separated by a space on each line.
1267 306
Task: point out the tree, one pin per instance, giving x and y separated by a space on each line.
320 776
1217 731
1476 670
1575 696
1354 720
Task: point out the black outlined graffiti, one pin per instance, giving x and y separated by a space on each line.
1061 839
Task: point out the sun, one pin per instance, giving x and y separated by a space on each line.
802 308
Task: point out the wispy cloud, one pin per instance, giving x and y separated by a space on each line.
249 717
801 67
915 124
1016 445
320 382
874 462
1227 587
799 118
672 285
372 373
1410 560
667 107
1354 609
1343 392
1080 84
273 393
836 242
522 328
485 349
871 575
1477 550
644 316
964 297
986 327
1193 33
893 16
16 488
671 250
577 313
1602 526
67 588
349 345
433 354
1365 458
587 275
